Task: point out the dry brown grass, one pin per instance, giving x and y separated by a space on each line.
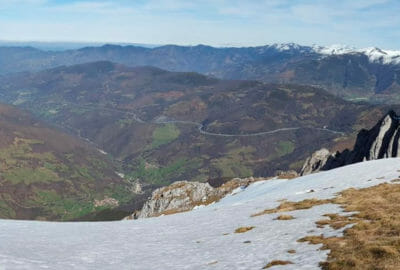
276 262
312 239
374 240
285 217
292 206
335 221
291 251
244 229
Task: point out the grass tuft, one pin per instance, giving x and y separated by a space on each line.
285 217
244 229
276 262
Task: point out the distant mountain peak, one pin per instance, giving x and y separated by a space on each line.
286 46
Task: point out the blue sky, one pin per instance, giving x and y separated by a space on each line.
360 23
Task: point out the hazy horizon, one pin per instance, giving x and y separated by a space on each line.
71 45
359 23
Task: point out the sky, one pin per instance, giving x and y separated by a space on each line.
358 23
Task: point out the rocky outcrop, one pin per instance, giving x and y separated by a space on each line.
178 197
316 162
184 196
382 141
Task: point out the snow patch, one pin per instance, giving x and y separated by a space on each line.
201 239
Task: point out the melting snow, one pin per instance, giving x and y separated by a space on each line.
200 239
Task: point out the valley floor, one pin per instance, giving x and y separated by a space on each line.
204 238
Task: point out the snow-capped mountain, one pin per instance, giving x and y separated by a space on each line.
294 47
333 49
374 54
204 238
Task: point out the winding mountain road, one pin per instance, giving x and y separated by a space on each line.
202 129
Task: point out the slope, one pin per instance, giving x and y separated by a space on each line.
45 174
204 238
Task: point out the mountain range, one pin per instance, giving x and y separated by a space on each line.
356 74
163 126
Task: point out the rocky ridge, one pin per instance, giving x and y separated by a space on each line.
382 141
183 196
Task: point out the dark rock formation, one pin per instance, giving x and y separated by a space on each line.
382 141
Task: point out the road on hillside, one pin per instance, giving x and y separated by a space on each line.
202 128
